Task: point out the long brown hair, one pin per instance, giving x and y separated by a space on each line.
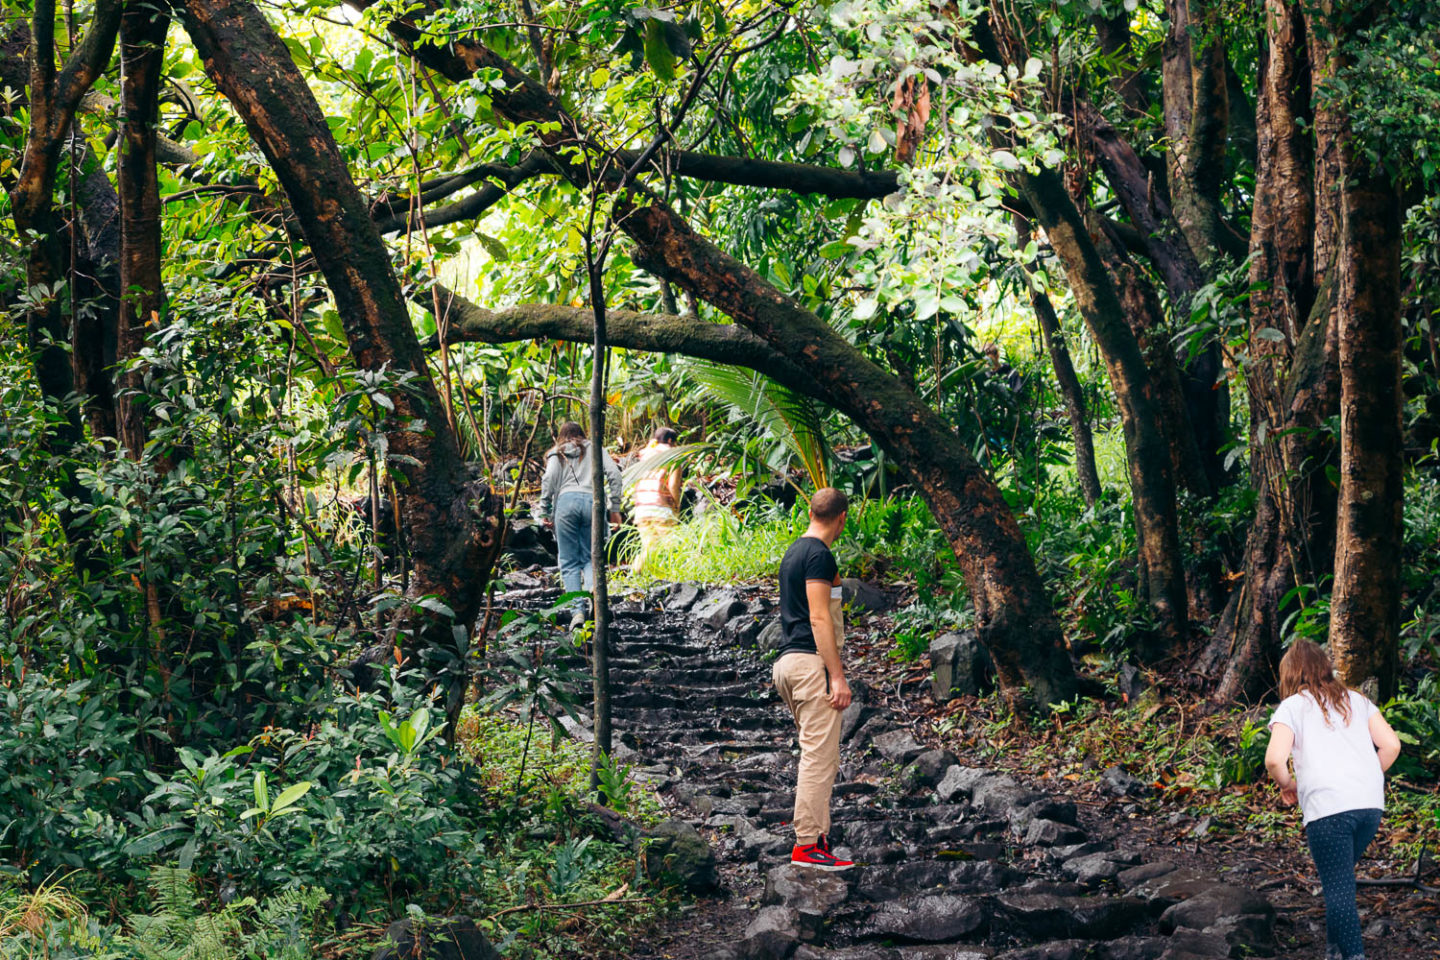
569 430
1305 667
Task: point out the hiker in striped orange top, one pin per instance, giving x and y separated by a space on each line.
657 497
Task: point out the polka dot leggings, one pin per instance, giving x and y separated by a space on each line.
1336 843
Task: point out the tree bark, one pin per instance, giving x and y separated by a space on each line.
1014 615
1369 540
467 322
599 513
1201 381
1114 36
1197 119
1291 369
1147 445
1070 390
1085 472
452 522
142 303
93 336
54 99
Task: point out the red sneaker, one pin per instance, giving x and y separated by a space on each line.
817 857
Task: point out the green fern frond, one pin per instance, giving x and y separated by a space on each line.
280 928
172 892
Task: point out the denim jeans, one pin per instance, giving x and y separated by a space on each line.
1337 843
572 537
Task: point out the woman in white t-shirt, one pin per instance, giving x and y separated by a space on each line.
1342 747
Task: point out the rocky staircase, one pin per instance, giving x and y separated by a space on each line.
954 862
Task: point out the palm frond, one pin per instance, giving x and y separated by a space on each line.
662 460
793 419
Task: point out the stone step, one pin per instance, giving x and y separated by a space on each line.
953 863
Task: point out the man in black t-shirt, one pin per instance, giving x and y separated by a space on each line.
809 675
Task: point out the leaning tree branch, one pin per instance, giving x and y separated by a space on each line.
776 175
468 322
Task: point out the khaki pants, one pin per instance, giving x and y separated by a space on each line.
802 682
652 529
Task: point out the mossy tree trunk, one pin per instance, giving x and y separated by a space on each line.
1369 538
452 522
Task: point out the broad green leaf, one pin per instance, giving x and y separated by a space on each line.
657 50
289 796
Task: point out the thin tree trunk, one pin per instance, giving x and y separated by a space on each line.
142 58
1070 389
599 516
1085 472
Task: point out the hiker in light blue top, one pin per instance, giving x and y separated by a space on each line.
566 501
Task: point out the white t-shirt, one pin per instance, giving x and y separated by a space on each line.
1336 766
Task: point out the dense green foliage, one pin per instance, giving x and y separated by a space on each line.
188 748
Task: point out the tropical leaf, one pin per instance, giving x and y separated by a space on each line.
791 418
662 460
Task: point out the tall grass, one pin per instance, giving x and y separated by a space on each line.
720 546
884 539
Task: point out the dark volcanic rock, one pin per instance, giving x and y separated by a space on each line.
897 745
961 666
718 609
1000 795
1049 833
927 769
1091 869
1118 781
678 856
454 938
770 637
1046 916
934 918
683 596
1134 948
1243 917
1056 950
1166 886
862 597
958 782
1192 945
865 952
808 891
743 628
772 935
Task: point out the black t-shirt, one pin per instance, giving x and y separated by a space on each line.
807 559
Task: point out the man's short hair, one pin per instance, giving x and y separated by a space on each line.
827 504
665 435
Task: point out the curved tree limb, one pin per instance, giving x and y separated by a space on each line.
451 520
468 322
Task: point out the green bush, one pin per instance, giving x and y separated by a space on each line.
388 816
1415 715
69 758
